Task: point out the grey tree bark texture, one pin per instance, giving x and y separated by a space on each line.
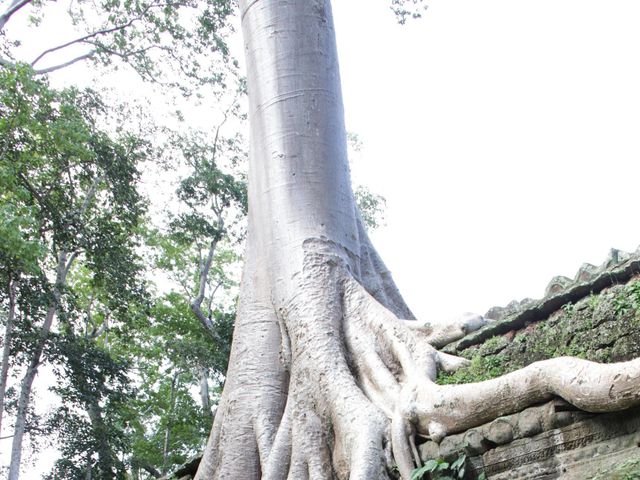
329 377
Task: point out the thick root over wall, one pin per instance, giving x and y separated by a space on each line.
356 384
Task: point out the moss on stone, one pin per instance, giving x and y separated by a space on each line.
602 327
628 470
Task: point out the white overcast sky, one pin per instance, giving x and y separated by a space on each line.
505 135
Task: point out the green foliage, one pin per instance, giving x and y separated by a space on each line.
68 186
94 392
493 345
626 470
441 470
70 204
628 300
20 248
568 308
481 368
176 354
169 355
69 178
171 43
594 301
371 207
66 181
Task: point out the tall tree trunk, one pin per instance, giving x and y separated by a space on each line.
26 385
205 399
89 468
106 459
327 379
167 430
6 348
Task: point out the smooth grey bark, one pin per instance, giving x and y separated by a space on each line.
327 379
301 211
6 348
203 280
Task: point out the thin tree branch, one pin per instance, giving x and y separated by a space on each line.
124 55
96 332
13 8
89 36
69 263
167 433
89 318
151 470
32 190
183 284
196 304
90 194
65 64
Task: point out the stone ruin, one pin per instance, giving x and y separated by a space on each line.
595 315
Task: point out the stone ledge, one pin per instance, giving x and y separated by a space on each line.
531 311
567 443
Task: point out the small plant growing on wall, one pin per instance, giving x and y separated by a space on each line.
442 470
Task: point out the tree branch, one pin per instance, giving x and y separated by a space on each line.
13 8
65 64
196 304
124 54
96 332
90 194
44 204
151 470
89 36
69 263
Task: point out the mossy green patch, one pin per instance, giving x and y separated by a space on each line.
628 470
603 327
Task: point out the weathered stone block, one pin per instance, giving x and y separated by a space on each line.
564 452
475 442
451 446
500 431
429 451
529 422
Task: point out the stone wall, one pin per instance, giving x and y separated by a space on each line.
595 316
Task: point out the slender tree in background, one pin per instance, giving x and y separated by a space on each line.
88 333
328 375
71 188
